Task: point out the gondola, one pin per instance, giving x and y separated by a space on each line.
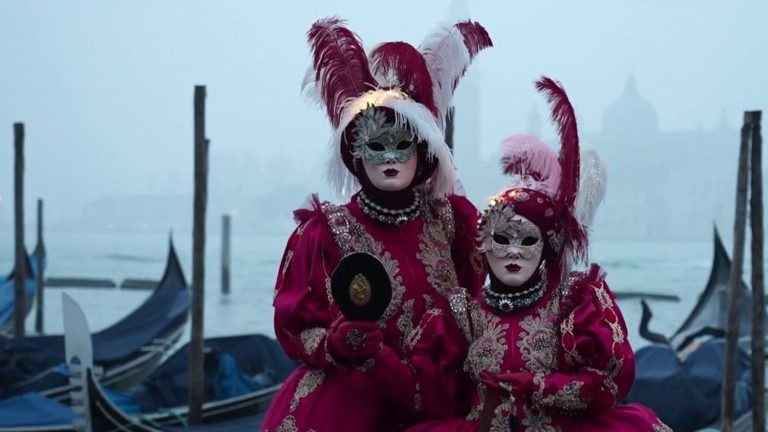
680 376
126 352
242 375
255 363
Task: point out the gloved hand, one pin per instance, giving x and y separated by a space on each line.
515 384
354 341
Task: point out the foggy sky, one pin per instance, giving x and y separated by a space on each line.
105 87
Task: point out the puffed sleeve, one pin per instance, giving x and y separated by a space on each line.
467 259
598 365
302 306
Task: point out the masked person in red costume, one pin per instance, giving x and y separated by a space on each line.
388 112
548 350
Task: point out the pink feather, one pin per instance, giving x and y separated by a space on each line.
526 155
408 67
562 114
340 64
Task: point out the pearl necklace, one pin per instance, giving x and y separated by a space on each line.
507 302
389 216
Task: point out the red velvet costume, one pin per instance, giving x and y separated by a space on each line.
412 373
552 354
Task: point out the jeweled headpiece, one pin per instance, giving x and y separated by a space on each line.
412 87
544 186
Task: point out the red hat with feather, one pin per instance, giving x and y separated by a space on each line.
545 186
414 86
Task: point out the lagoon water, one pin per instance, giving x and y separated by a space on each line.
660 266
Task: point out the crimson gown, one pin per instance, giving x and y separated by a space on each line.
426 258
573 342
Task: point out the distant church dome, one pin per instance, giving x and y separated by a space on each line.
630 113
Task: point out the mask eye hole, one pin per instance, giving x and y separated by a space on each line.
404 145
529 241
500 239
375 146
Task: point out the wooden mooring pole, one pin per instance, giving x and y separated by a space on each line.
734 282
39 275
226 256
196 345
20 266
758 277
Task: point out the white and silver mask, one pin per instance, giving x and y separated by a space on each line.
506 234
380 142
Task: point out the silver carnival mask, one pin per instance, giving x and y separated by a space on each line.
380 142
506 235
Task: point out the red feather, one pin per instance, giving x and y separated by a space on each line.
340 63
476 38
409 67
565 119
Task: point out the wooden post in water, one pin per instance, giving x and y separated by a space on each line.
226 256
196 344
734 282
758 277
20 266
449 127
39 276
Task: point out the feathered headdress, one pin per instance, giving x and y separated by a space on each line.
534 166
416 84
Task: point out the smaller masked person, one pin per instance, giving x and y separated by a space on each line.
387 110
548 350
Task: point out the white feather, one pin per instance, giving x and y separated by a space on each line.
309 88
447 58
592 187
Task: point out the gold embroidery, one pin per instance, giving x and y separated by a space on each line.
435 247
414 335
311 339
500 421
537 420
287 425
568 398
568 341
405 323
538 340
486 352
307 384
661 427
460 309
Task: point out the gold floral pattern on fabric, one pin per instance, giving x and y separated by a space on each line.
538 339
568 341
537 420
435 243
457 300
307 384
568 398
616 362
661 427
405 323
288 425
350 236
489 343
413 337
500 420
311 338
